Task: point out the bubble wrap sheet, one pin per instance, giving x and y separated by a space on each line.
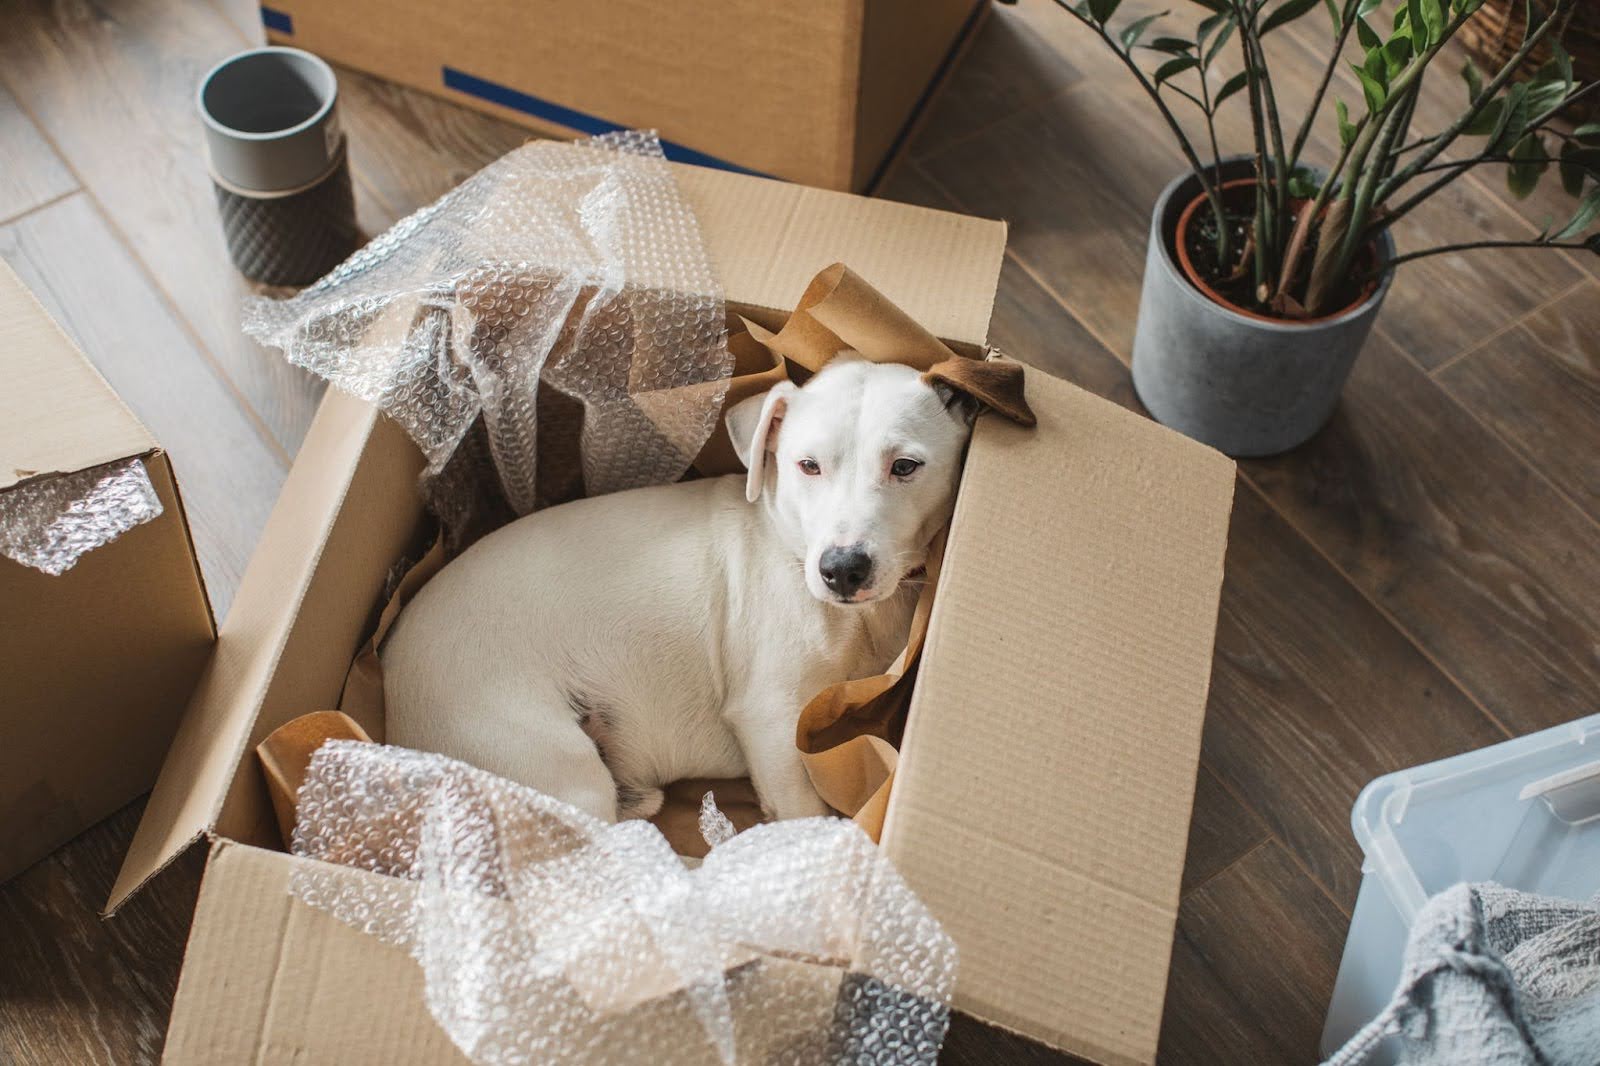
50 523
580 265
547 937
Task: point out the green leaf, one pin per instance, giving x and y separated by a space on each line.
1485 122
1347 130
1377 64
1558 66
1175 66
1396 54
1583 218
1134 30
1303 184
1523 176
1467 7
1572 171
1334 15
1372 89
1367 35
1588 133
1432 18
1213 5
1407 14
1512 122
1176 46
1209 23
1285 12
1474 80
1222 39
1100 10
1367 7
1229 87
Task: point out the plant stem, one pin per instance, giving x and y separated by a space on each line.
1280 175
1454 169
1467 246
1367 187
1263 225
1307 218
1213 193
1444 139
1224 239
1347 23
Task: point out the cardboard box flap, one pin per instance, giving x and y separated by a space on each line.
57 414
274 619
1079 640
768 239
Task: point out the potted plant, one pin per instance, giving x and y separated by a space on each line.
1264 274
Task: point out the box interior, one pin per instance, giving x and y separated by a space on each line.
1042 805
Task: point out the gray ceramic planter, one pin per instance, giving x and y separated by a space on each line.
1245 386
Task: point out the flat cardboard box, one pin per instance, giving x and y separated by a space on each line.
1042 801
820 92
96 664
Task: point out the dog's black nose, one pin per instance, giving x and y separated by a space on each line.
845 570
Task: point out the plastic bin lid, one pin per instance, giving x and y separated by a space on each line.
1525 813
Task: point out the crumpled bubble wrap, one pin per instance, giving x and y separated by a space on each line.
51 522
547 937
580 265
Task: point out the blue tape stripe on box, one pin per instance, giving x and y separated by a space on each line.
273 19
505 96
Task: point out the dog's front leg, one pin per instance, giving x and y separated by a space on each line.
766 733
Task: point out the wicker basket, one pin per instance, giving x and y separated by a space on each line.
1494 34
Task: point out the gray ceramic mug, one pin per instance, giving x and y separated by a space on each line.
278 164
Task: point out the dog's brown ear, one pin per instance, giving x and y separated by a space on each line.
994 384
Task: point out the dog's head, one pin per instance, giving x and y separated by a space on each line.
860 467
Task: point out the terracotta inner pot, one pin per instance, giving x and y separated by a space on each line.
1232 199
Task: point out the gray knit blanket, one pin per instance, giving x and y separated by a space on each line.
1494 977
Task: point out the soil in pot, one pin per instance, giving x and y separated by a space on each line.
1233 284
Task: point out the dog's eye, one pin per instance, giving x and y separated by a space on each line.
904 467
810 467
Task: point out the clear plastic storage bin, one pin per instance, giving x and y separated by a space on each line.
1525 813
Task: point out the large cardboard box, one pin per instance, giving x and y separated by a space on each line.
1042 801
821 92
97 663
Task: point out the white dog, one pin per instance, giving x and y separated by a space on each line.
602 649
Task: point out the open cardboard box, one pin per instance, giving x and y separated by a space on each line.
822 92
96 663
1042 800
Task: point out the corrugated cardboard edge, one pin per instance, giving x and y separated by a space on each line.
262 968
58 414
1100 593
163 468
216 726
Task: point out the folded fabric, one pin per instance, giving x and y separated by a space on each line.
1493 977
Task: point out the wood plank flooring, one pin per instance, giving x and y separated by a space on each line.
1420 580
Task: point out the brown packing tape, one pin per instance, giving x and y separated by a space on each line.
840 310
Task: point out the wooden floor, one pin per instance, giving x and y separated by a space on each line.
1419 580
